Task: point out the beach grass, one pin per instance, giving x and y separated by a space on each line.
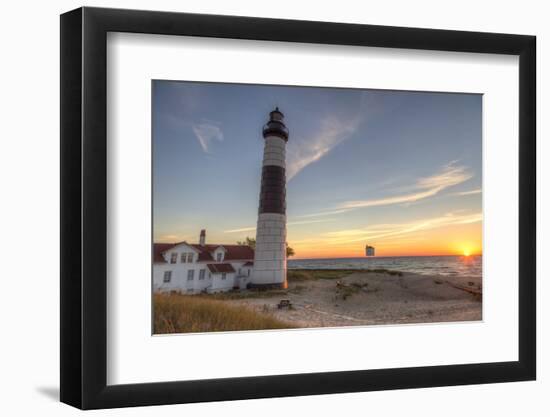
297 275
251 293
177 313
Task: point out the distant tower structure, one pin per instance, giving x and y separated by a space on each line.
369 250
270 253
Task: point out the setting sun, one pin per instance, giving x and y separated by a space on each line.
466 252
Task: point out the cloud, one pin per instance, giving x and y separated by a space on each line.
392 234
383 231
449 176
333 130
244 229
305 152
325 213
171 238
207 132
295 223
471 192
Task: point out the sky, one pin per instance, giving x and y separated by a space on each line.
397 170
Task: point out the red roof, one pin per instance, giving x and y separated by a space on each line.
158 248
232 252
249 263
220 268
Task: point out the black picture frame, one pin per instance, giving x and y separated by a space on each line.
84 207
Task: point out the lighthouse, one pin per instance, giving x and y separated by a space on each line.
270 252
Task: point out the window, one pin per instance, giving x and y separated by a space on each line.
190 275
248 271
219 256
167 276
186 257
173 257
202 273
240 271
223 275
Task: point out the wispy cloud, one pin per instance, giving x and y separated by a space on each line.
171 238
295 223
305 152
243 229
332 131
384 231
449 176
346 242
299 222
471 192
206 133
325 213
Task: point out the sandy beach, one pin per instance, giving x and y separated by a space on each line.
367 298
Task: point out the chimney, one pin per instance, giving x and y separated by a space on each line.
202 239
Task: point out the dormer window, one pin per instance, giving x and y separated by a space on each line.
173 257
186 257
219 257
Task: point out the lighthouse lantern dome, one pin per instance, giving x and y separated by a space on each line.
275 126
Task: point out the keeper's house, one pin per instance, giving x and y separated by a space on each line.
194 268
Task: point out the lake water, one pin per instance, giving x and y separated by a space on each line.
428 265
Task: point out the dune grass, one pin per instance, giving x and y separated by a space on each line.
175 313
296 275
241 295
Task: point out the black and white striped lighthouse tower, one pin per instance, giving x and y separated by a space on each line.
270 253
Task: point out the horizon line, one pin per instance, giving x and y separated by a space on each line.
381 256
